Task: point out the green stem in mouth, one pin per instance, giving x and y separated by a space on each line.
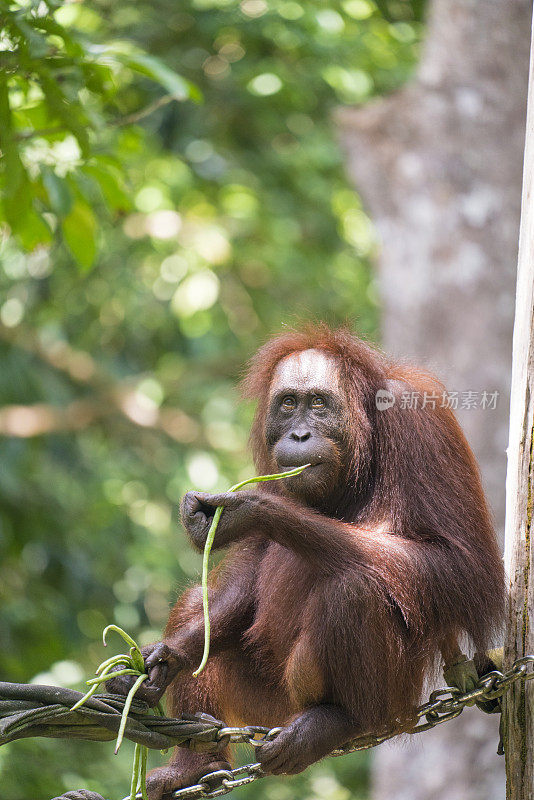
207 550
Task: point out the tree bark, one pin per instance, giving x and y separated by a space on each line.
518 716
439 167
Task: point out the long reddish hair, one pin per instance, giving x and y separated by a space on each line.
409 467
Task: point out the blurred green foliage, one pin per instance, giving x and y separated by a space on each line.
172 194
57 88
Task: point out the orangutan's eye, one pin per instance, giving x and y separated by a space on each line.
318 401
289 403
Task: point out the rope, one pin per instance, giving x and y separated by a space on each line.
32 710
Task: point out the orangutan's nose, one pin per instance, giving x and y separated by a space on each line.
300 435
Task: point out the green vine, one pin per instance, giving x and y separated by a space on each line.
131 663
209 543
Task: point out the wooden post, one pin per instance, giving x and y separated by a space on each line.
518 713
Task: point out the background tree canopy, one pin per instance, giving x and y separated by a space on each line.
172 193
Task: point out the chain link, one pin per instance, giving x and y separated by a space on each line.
442 705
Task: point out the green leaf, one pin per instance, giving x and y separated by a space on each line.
152 68
33 41
49 25
58 191
110 184
69 114
30 118
33 231
79 232
16 184
155 69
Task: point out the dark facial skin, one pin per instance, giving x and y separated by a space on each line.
306 417
303 427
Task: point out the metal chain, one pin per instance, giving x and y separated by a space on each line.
442 705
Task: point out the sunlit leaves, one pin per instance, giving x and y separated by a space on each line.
56 88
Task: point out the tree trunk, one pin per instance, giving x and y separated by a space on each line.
439 167
518 716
